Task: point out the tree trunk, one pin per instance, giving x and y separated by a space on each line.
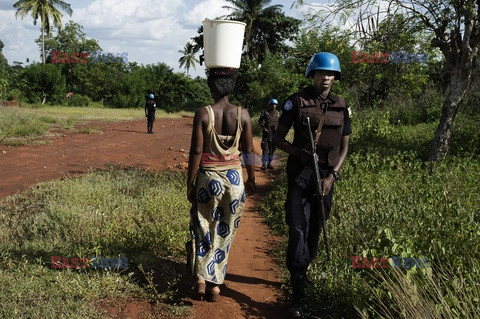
459 83
43 38
43 47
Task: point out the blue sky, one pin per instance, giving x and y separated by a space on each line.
150 31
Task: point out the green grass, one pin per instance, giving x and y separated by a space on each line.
130 213
99 113
25 125
391 202
29 289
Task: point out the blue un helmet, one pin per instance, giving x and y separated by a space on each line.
151 96
324 61
272 101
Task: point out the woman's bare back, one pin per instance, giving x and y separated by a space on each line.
225 119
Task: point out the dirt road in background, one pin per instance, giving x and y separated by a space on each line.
253 284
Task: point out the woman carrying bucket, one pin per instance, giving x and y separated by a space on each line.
215 181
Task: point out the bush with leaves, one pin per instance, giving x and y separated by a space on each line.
274 78
45 83
79 100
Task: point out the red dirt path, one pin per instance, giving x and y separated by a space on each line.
253 285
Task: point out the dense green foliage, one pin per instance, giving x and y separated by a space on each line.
119 84
391 202
267 27
3 73
126 213
43 82
273 79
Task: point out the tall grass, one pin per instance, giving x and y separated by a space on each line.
391 202
16 123
426 294
114 213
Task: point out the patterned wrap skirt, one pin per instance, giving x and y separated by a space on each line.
214 222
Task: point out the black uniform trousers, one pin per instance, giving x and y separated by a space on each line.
150 120
305 226
268 148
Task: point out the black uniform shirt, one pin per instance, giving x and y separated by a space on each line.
150 106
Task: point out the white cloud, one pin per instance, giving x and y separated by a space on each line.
151 31
18 37
141 19
208 9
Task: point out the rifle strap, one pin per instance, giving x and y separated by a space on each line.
322 120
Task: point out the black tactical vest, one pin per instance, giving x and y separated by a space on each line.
271 119
309 104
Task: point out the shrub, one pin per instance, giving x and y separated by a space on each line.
79 100
410 110
45 84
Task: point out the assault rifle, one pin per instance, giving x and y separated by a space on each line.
318 187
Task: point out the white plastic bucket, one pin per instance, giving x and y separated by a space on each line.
223 43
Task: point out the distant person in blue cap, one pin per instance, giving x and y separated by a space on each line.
269 121
330 127
150 107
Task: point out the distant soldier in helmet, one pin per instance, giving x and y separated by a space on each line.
269 121
329 116
150 107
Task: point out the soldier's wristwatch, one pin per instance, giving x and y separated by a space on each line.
336 175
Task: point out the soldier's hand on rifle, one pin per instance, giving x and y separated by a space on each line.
327 184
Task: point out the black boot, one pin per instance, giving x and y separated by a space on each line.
299 283
269 165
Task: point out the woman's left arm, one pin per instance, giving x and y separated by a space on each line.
246 140
195 156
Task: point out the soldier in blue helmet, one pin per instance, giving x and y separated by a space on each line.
329 117
268 121
150 107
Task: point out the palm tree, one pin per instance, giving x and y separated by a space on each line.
257 15
188 59
46 11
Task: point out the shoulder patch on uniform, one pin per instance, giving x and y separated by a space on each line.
288 105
